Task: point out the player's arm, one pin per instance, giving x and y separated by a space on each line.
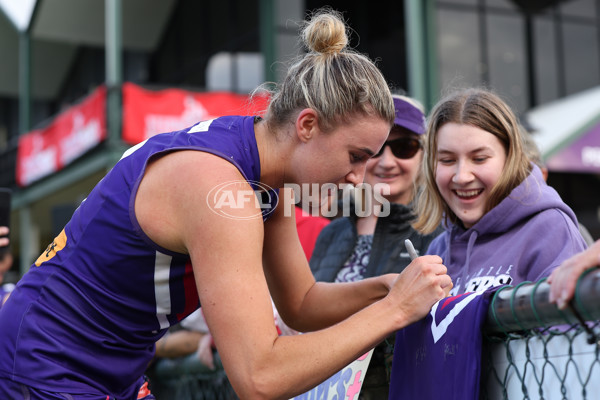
227 258
304 304
235 300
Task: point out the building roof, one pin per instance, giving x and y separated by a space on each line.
567 132
58 27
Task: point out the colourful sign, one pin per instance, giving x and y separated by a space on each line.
345 384
82 127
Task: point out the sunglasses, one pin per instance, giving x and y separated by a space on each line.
403 147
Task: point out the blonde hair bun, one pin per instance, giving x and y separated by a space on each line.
325 33
332 79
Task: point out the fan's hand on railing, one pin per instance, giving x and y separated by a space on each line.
563 279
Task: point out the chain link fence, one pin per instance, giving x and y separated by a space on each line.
532 350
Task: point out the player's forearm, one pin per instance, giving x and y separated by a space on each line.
295 364
280 367
328 303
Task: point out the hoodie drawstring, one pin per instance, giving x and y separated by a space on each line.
470 245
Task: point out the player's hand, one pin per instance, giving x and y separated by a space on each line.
419 286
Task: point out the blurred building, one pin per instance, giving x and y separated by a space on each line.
66 61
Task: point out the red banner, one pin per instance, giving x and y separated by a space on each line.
71 134
146 112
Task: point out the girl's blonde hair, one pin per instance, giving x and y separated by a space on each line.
331 79
487 111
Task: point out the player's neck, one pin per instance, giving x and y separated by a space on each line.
273 150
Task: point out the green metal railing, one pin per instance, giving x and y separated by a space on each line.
526 306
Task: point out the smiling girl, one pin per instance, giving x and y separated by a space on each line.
504 225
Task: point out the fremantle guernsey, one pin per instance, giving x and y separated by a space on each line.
439 356
85 318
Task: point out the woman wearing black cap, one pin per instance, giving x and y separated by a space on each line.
367 244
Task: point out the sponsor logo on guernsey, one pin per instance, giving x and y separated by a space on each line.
57 245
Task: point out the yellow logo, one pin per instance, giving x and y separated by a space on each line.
57 245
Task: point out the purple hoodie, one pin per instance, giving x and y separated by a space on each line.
522 239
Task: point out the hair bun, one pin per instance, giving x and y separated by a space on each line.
325 32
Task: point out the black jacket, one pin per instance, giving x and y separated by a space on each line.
388 254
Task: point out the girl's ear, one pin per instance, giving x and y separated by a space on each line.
307 124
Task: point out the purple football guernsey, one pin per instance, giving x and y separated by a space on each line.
85 317
439 357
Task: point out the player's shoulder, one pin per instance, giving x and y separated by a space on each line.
197 166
